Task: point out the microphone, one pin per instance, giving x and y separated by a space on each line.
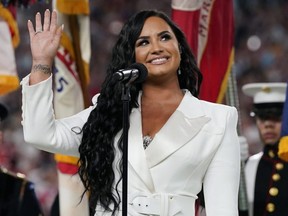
136 73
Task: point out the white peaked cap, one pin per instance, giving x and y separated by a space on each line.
266 92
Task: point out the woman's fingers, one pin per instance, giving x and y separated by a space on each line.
49 24
46 25
38 22
58 34
53 25
30 28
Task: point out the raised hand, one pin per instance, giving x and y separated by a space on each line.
44 42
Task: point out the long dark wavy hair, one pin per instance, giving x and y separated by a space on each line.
97 149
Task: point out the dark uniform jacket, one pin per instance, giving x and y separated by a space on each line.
17 196
269 174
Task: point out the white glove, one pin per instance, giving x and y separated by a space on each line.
244 148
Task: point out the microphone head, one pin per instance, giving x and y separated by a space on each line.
143 72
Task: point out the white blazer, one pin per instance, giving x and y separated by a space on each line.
199 144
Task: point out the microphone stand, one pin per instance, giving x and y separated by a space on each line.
137 73
125 99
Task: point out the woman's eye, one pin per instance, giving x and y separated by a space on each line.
165 37
142 43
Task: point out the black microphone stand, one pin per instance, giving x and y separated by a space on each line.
138 73
125 99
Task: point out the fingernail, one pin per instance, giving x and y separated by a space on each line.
62 26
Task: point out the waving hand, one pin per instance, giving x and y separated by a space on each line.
44 42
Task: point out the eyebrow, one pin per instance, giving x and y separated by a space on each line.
159 34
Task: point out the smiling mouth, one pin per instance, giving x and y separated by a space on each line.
159 60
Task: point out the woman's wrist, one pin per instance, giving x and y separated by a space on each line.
39 72
44 68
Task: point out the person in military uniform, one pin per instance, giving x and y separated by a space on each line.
17 194
266 174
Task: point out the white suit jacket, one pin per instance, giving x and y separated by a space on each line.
199 144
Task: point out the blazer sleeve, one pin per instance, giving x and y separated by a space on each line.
221 182
40 127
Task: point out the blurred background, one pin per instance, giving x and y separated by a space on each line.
261 52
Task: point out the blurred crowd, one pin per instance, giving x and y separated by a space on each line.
261 49
261 45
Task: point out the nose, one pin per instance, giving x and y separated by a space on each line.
268 123
156 47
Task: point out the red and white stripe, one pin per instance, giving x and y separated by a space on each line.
209 28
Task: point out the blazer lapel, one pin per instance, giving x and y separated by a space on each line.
181 127
136 152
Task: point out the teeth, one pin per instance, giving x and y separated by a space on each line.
159 60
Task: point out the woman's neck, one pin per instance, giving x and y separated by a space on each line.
157 105
161 93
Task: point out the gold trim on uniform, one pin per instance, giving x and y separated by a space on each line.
273 191
270 207
279 166
271 154
276 177
266 89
